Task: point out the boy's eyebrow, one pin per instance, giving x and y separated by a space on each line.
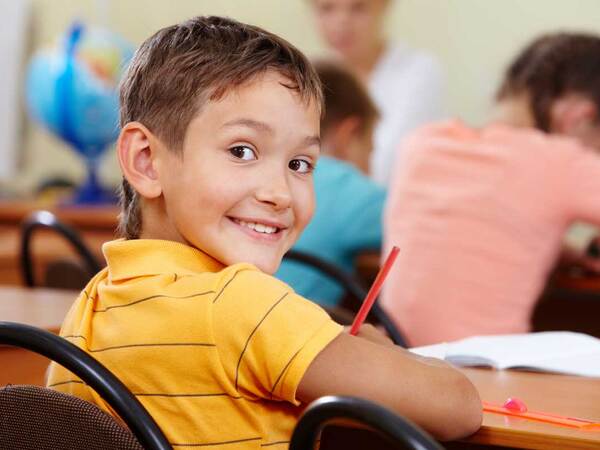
266 128
250 123
309 141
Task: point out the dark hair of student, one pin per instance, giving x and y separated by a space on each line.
345 96
551 66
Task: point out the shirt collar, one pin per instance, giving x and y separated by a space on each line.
142 257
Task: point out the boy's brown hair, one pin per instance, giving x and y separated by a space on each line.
345 96
551 66
181 67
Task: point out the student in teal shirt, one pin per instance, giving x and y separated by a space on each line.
347 219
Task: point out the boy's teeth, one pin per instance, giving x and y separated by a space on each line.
259 227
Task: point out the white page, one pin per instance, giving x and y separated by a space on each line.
556 351
580 363
433 351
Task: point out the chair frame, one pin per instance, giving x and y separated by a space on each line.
392 426
46 219
94 374
353 287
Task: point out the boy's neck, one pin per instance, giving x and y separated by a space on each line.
155 222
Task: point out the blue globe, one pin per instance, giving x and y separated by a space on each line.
71 90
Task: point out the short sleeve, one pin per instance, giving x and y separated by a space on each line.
266 335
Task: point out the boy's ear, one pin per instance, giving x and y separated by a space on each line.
573 115
136 150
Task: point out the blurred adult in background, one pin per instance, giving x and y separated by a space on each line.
347 218
407 85
480 214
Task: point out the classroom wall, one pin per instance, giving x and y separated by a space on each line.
473 38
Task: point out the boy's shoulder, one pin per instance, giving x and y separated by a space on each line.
142 258
245 280
245 297
187 267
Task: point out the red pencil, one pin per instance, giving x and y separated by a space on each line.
374 291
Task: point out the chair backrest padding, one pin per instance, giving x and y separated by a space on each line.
37 418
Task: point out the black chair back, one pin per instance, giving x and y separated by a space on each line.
91 372
401 433
45 219
352 287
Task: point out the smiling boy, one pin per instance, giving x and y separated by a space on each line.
220 133
231 197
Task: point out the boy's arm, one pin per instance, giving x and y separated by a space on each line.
427 391
276 345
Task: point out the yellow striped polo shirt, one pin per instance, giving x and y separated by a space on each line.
214 353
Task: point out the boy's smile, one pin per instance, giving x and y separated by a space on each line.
242 189
260 229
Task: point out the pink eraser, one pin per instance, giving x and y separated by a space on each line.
515 404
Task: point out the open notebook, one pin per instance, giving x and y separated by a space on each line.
555 351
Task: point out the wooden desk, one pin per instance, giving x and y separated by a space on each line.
82 217
43 308
96 225
563 395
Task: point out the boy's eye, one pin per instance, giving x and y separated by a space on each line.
300 166
243 152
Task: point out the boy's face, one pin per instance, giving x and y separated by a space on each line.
243 190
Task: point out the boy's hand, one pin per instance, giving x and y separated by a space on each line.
371 333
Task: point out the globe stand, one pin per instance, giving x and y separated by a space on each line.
71 90
91 191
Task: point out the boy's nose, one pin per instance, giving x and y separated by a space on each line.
275 191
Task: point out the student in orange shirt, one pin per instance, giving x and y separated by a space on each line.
220 132
480 214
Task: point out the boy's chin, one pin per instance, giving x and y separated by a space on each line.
267 267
